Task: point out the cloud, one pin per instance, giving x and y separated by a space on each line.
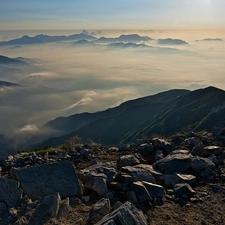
74 79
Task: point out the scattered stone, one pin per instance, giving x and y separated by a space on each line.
198 149
138 174
209 150
46 210
175 162
100 209
98 185
128 160
40 181
198 164
170 180
181 190
146 147
126 214
185 178
64 208
141 192
162 145
155 190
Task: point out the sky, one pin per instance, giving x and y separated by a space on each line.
114 14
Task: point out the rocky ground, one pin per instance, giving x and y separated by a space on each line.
157 181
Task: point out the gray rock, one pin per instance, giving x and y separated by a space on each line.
185 178
198 149
146 147
105 170
155 190
209 150
64 208
40 181
10 193
181 190
192 141
141 192
46 210
140 141
198 164
100 209
98 185
162 145
138 174
127 214
170 180
128 160
174 162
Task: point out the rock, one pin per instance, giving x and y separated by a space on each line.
105 170
40 181
100 209
138 174
192 141
150 169
159 155
198 149
128 160
174 162
209 150
185 178
198 164
162 145
155 190
98 185
213 159
10 193
181 190
146 147
117 205
46 210
64 208
170 180
126 214
141 192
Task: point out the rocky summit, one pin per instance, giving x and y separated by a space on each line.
179 180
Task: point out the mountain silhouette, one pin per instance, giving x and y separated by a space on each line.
211 39
170 41
4 60
7 84
41 38
132 38
164 114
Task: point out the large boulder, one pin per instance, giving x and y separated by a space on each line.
40 181
10 193
177 161
126 214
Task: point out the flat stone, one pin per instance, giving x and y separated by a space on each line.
185 178
139 174
40 181
174 162
183 190
141 191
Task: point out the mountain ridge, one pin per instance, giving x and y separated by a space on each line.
164 113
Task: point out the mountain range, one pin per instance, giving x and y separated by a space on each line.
163 114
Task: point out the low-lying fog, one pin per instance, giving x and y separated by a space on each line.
67 78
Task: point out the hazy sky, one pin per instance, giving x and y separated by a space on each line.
113 14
